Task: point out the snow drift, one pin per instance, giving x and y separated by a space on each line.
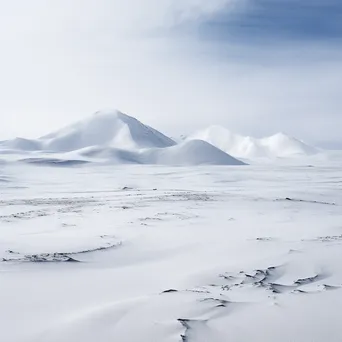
278 145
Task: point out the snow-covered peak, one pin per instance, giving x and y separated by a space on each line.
111 128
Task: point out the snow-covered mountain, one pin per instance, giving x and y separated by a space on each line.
105 128
110 128
278 145
112 136
118 138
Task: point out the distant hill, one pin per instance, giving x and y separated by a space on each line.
278 145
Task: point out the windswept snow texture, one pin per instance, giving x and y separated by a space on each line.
114 137
147 253
278 145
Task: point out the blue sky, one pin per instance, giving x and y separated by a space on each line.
277 20
254 66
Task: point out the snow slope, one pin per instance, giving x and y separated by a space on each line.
278 145
195 152
111 128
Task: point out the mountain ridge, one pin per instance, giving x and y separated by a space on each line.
275 146
115 137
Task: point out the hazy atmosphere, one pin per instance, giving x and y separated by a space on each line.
256 67
170 170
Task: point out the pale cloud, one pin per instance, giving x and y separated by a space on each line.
63 60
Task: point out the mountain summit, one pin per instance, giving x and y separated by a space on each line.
110 128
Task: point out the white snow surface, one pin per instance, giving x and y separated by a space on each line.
278 145
155 253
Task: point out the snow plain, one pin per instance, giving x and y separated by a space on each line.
157 253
